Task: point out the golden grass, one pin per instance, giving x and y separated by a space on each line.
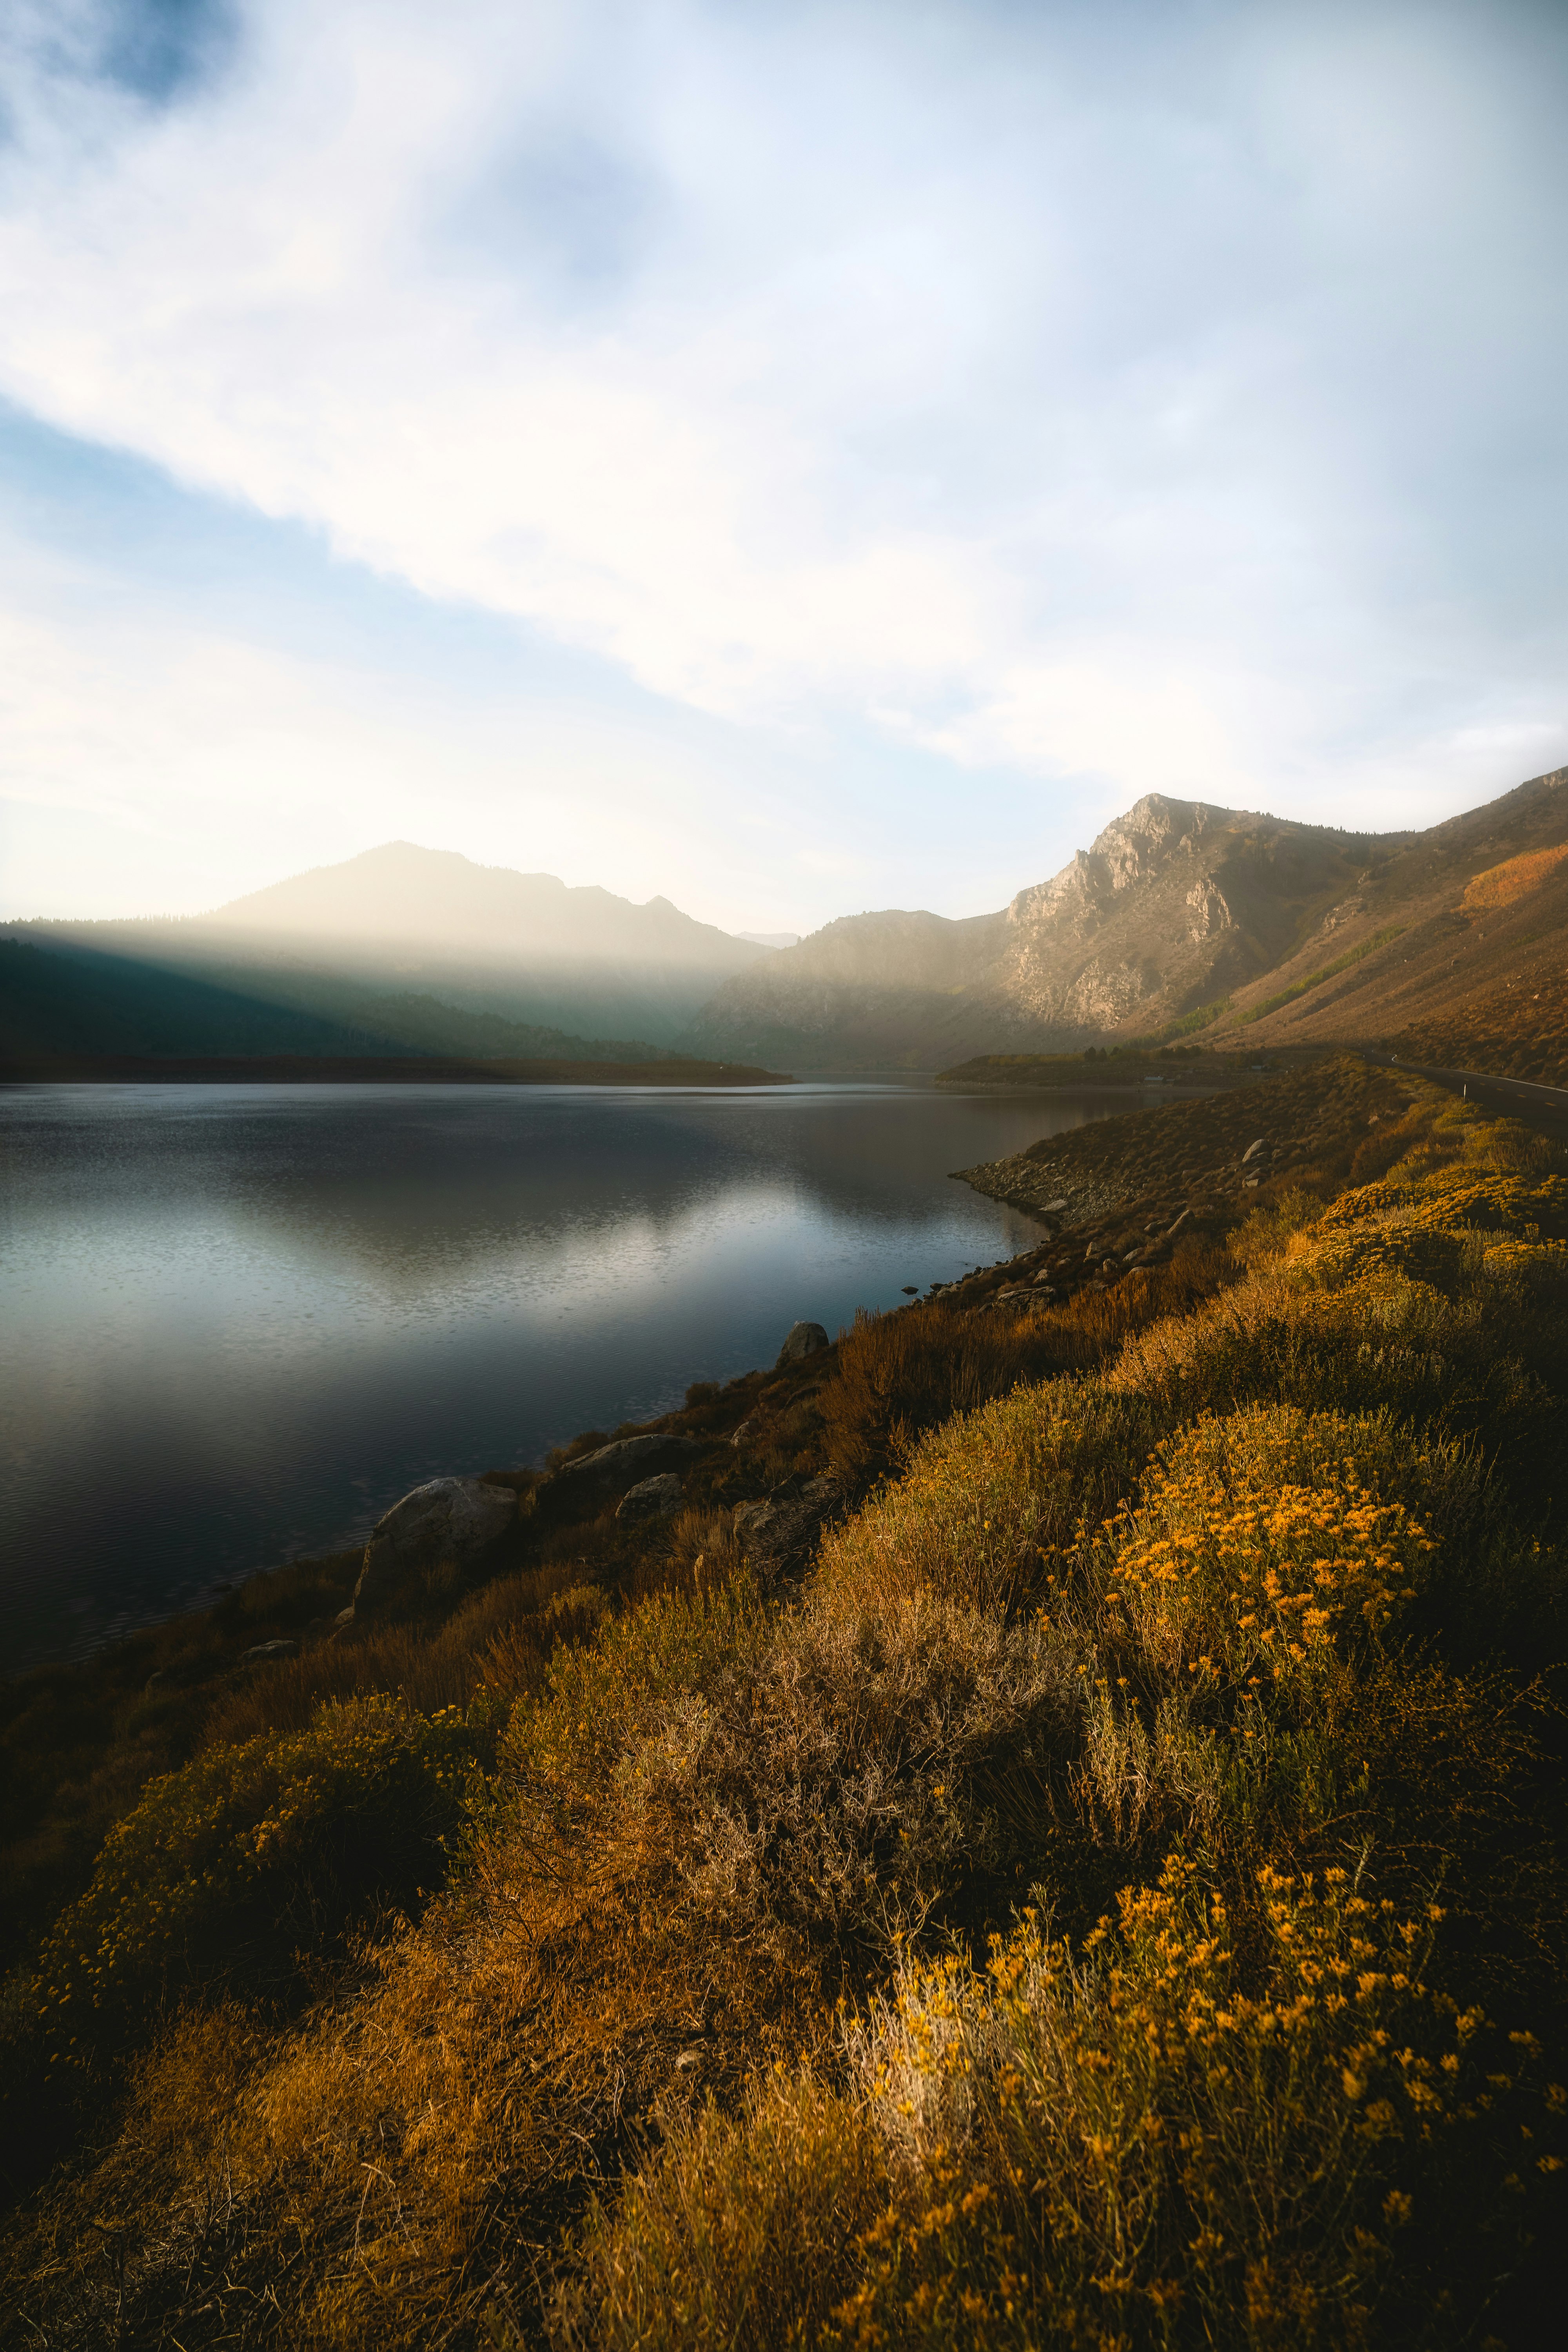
1499 886
901 1374
744 2232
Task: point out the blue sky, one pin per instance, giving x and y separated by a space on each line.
792 458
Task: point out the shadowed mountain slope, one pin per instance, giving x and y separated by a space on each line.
423 949
62 1003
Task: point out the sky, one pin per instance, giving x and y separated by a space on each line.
790 458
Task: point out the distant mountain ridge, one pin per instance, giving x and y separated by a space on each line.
397 950
436 901
1181 916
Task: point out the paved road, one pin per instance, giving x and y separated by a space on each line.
1542 1107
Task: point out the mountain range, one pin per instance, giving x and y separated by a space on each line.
400 950
1180 918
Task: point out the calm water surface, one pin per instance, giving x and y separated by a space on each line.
240 1322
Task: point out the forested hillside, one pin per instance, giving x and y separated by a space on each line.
59 1005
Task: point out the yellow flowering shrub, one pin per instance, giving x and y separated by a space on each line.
1454 1197
1250 2130
1260 1550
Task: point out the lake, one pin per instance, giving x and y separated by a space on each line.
242 1320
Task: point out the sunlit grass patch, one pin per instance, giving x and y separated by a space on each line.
744 2232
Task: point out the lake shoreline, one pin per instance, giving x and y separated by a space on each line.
371 1069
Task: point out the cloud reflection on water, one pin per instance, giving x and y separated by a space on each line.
246 1319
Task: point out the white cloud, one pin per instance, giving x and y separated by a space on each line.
1088 393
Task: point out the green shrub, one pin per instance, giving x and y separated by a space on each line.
229 1869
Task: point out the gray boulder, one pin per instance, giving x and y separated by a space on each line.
775 1536
262 1650
652 1498
595 1479
445 1521
753 1520
1253 1150
803 1339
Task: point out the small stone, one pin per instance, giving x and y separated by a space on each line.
1253 1149
801 1340
655 1498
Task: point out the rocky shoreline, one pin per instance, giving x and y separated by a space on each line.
1110 1198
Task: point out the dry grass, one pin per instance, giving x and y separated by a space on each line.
1499 886
518 1615
744 2232
902 1374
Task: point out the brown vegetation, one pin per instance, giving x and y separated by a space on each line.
1518 1030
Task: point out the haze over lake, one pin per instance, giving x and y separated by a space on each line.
242 1320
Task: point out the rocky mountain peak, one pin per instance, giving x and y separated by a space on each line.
1132 849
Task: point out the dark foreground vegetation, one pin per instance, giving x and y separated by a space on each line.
1084 1868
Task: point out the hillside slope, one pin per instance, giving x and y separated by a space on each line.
1452 951
59 1002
